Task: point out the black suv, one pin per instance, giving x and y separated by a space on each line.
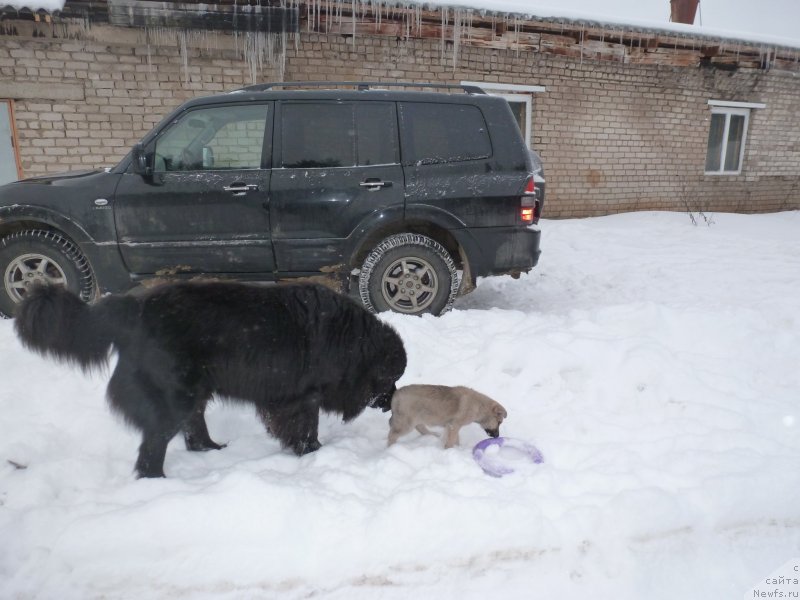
400 197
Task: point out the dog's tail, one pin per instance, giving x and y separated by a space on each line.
55 322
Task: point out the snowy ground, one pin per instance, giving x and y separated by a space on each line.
654 363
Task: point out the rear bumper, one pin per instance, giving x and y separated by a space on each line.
500 250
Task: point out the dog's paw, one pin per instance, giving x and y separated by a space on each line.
302 448
195 446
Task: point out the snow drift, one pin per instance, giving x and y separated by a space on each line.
653 362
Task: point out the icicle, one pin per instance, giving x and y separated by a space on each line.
184 55
149 57
457 17
444 29
258 50
354 22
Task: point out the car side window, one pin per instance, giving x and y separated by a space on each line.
213 139
317 134
377 133
440 133
335 134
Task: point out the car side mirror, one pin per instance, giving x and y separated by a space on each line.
139 162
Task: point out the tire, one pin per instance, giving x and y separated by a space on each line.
40 256
408 273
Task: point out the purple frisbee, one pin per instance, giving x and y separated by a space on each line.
496 468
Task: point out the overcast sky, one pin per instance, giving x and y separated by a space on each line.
780 18
770 18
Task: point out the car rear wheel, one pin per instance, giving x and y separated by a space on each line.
408 273
37 256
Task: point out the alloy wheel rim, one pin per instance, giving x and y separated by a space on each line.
31 269
409 284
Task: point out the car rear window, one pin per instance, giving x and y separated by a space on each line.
439 133
332 134
377 134
318 135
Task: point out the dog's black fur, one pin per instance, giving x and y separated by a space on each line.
290 350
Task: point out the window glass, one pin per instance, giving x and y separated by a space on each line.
318 135
219 138
8 153
518 110
734 148
377 134
727 136
437 133
715 134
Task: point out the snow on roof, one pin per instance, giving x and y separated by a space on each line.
34 5
587 14
528 10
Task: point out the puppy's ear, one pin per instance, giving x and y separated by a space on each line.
499 412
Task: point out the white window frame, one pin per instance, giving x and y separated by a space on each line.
7 104
729 108
522 94
526 100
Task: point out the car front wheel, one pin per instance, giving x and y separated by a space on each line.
408 273
32 257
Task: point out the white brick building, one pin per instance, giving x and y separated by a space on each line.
625 118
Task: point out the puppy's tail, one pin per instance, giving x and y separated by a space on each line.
55 322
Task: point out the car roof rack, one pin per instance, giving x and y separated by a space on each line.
360 85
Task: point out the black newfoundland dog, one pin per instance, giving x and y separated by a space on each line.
290 350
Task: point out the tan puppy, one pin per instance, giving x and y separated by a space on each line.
415 406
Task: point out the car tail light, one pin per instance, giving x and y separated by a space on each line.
529 206
530 187
526 213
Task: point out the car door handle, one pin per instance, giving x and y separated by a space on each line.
240 189
373 185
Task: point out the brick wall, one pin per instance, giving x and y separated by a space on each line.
614 137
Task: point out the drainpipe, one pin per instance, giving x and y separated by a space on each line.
683 11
